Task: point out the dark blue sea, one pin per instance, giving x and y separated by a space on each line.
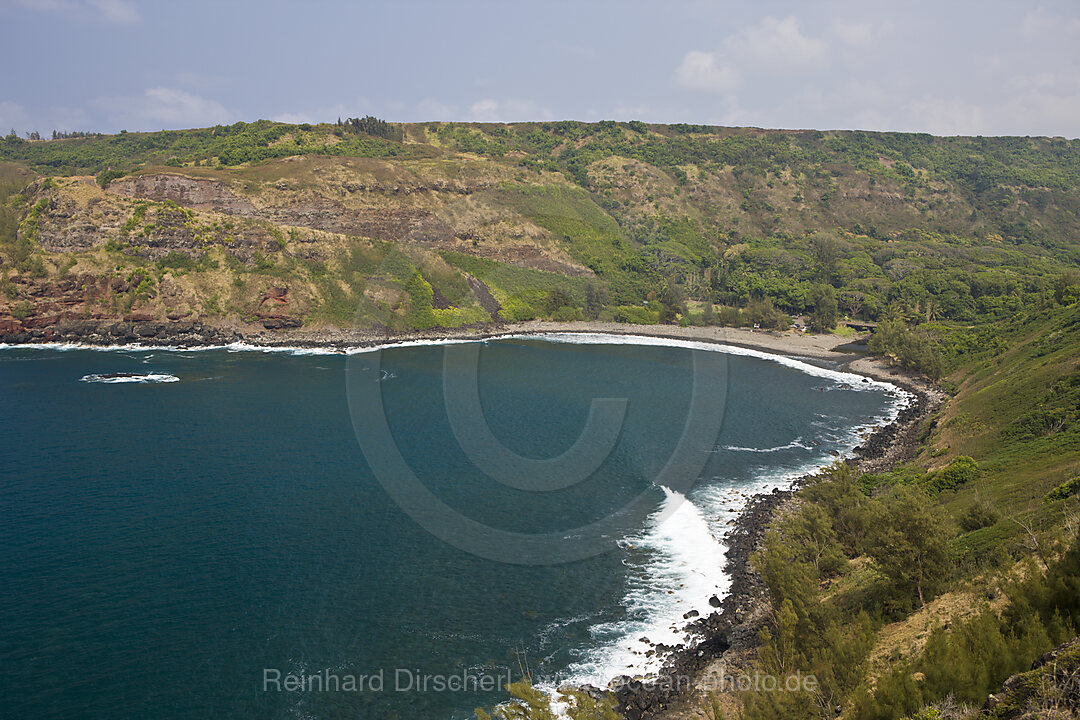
183 531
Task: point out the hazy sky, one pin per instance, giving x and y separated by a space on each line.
990 67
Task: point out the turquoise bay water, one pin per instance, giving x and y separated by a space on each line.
164 543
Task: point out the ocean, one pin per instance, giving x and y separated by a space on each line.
238 533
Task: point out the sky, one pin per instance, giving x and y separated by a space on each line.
994 67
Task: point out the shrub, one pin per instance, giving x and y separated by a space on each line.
1065 490
107 176
636 315
566 314
978 516
556 299
959 472
176 260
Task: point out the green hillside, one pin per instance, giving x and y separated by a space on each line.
964 230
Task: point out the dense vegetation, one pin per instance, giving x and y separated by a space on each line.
224 145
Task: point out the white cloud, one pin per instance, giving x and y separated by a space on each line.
64 118
632 112
700 70
121 12
772 47
778 46
162 107
43 120
854 33
1041 103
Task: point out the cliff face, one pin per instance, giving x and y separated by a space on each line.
281 207
334 240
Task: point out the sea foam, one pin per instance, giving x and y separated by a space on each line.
675 562
114 378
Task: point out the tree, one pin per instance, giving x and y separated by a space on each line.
1067 287
762 313
910 543
595 299
708 315
371 125
811 531
557 298
823 308
826 256
852 302
914 349
843 500
671 304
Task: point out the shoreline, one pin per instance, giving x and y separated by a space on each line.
193 334
729 634
729 637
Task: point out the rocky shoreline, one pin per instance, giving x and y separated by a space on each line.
730 634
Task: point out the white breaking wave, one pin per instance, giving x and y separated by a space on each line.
112 378
676 565
796 443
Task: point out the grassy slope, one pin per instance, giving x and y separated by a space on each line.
1017 414
1015 411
